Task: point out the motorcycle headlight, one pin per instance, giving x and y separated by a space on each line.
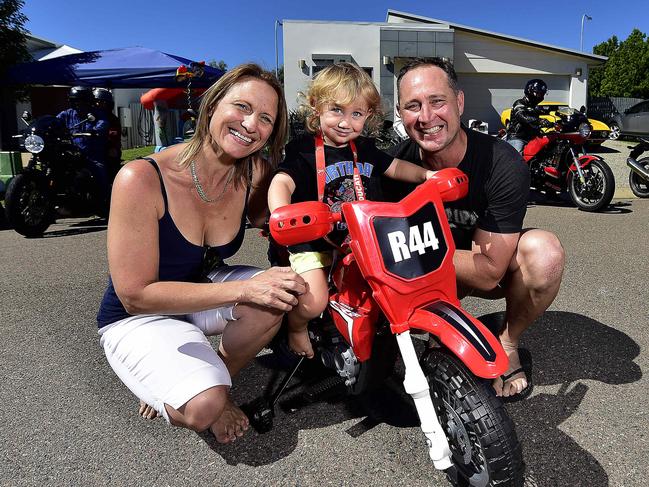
34 144
584 130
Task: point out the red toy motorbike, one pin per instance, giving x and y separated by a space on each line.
555 166
399 276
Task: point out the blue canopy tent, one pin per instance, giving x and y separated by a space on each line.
131 67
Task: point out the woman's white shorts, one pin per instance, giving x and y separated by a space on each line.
168 359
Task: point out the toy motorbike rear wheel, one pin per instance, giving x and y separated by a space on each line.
482 437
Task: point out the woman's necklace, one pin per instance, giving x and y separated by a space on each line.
199 188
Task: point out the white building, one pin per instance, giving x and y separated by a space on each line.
492 68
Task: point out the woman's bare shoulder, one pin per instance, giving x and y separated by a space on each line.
136 176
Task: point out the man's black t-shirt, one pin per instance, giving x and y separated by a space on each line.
499 183
299 163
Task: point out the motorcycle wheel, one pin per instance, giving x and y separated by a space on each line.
598 191
481 435
28 205
639 185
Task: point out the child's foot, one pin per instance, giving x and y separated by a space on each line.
147 411
231 424
299 343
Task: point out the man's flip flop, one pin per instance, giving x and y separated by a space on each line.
525 357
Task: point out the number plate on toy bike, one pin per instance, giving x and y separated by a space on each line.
411 246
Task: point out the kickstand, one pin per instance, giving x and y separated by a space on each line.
261 411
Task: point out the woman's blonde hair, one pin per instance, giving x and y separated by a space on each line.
341 84
212 97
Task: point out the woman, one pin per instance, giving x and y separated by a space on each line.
172 214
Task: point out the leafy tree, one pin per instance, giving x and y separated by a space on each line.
13 49
625 73
222 65
13 35
596 74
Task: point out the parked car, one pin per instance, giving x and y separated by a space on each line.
633 122
600 131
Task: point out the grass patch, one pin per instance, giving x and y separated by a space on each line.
137 152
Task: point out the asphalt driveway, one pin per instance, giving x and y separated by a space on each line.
66 420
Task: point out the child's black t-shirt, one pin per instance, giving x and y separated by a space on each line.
299 163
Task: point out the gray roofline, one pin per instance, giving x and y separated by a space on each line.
44 41
529 42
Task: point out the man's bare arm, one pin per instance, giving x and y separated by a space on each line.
484 266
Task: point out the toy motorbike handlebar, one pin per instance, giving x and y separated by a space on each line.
310 220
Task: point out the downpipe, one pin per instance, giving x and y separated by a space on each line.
637 168
417 386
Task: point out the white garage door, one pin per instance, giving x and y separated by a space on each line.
487 95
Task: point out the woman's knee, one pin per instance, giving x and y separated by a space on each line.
201 411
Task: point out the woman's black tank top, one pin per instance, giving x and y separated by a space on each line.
180 260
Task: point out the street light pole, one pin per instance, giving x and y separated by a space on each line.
581 36
277 22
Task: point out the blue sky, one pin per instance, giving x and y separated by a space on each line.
244 30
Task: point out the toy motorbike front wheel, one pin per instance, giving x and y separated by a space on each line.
482 437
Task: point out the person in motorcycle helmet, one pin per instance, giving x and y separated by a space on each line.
525 123
83 118
103 100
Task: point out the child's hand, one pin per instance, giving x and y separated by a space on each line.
429 174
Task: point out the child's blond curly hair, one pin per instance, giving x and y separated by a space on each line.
341 83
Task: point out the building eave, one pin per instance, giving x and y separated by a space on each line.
592 58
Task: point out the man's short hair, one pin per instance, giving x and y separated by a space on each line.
442 63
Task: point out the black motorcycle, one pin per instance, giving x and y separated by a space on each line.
55 183
639 174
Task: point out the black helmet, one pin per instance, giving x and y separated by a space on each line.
80 94
535 90
102 94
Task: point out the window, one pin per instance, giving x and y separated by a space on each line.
640 107
320 64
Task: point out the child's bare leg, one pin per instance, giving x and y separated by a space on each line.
310 304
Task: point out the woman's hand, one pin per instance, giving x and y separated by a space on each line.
276 288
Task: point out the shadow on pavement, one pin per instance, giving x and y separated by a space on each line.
562 200
567 348
601 149
77 228
73 231
581 349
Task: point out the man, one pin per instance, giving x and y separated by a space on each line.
94 145
495 258
105 104
525 123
